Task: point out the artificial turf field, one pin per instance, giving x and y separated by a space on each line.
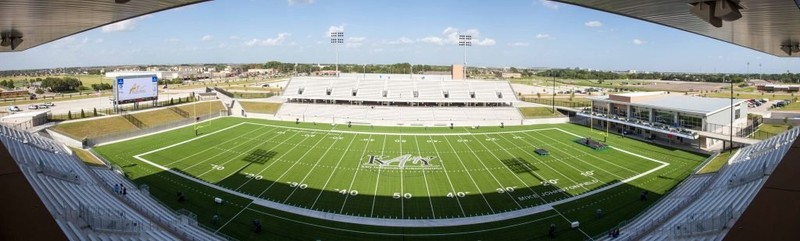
407 173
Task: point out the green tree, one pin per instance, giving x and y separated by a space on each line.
69 115
94 111
83 115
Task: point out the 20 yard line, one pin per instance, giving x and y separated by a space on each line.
273 148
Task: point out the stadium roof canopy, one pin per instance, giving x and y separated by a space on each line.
40 22
765 25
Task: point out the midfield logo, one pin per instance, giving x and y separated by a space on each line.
406 161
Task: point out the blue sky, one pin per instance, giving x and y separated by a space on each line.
519 33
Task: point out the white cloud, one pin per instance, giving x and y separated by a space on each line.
355 42
450 36
403 40
593 24
207 38
637 41
251 42
278 40
543 36
549 4
234 37
293 2
121 26
519 44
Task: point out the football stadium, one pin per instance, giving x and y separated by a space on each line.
345 155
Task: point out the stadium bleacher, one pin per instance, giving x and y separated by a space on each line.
86 208
400 90
705 206
393 115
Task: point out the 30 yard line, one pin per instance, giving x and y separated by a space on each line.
315 166
377 180
341 157
488 170
369 140
587 163
288 170
543 163
273 148
566 163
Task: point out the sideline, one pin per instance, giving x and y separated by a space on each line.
446 222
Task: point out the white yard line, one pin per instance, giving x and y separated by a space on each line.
315 166
293 164
444 170
321 190
190 140
517 176
470 176
402 203
203 151
555 169
425 178
369 138
377 180
396 134
234 217
273 163
500 185
231 149
593 156
567 163
397 222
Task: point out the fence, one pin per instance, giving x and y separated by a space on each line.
66 175
752 126
151 129
104 219
559 102
86 113
712 221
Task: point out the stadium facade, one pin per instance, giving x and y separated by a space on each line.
675 118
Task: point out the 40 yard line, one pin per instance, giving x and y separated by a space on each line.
333 172
352 181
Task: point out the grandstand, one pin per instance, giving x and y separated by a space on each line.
383 100
706 206
400 92
83 201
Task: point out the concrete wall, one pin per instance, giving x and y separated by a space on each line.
724 117
65 139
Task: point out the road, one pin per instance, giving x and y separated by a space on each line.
62 107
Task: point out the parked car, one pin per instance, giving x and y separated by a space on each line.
42 106
33 107
49 104
13 108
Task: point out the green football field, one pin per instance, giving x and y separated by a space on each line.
409 173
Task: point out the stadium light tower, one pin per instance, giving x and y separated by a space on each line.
337 38
465 40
